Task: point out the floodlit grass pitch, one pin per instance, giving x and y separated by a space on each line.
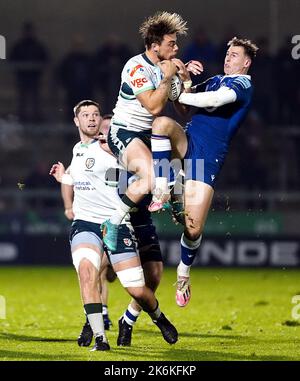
234 314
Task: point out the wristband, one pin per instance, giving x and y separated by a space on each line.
187 84
67 179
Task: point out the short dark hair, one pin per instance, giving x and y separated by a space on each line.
107 116
249 46
155 27
85 102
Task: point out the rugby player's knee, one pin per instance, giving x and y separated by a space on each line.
153 281
138 293
161 125
87 272
86 258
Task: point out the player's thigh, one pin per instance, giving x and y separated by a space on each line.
86 246
126 255
197 201
127 264
164 125
84 234
93 247
87 262
138 158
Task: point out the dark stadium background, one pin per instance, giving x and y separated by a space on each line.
255 216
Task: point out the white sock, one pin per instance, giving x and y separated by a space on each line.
96 323
131 315
104 309
183 270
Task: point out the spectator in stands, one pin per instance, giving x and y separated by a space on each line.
227 34
29 58
39 179
287 81
263 82
109 61
204 50
76 74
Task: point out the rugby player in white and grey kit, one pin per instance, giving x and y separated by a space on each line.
94 202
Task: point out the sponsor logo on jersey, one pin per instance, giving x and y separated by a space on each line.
135 69
89 163
138 82
127 241
79 154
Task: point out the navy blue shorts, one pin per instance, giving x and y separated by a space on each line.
201 163
119 137
145 233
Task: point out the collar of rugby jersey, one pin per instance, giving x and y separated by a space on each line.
85 145
147 59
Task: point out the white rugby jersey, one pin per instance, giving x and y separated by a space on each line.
94 200
139 74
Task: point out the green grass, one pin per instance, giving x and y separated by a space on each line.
233 315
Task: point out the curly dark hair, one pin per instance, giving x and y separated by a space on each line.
155 27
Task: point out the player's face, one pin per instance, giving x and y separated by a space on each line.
168 47
236 61
104 126
88 120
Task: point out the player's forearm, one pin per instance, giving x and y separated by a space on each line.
209 98
159 97
67 194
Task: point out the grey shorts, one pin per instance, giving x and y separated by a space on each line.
90 232
119 137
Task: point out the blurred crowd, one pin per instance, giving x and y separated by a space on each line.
82 74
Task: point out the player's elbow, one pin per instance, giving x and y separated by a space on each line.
221 97
155 111
214 101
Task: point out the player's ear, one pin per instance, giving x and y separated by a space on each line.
155 46
76 121
247 62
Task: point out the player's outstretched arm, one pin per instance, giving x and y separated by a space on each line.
57 171
62 176
67 194
217 98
